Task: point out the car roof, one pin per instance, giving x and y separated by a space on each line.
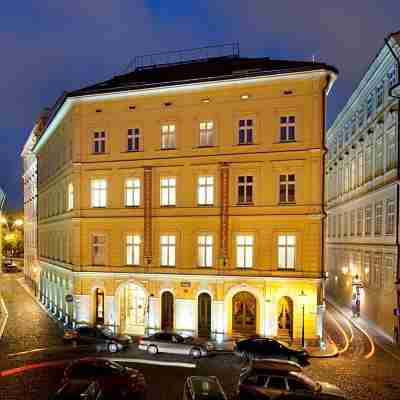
276 364
73 387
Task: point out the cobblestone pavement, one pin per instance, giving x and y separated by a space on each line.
29 328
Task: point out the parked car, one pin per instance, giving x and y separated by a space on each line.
261 348
202 388
111 376
101 337
283 383
168 342
77 390
269 363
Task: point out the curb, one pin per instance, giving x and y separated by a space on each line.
4 316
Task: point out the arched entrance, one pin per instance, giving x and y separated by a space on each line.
204 315
167 311
132 309
244 314
285 317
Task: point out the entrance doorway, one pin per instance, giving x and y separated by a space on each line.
285 318
244 313
204 315
99 301
167 311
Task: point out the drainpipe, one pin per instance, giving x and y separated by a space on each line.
396 57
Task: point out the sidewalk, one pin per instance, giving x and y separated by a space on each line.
367 327
3 316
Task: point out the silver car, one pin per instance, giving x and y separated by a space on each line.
168 342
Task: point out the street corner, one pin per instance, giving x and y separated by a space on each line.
329 349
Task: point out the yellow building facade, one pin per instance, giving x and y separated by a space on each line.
193 204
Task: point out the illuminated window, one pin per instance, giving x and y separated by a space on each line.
287 128
168 138
246 131
132 192
205 250
98 249
70 196
245 189
133 249
244 251
379 156
390 217
99 142
99 192
352 223
378 218
360 217
168 192
368 220
286 251
168 250
206 133
133 139
205 190
287 188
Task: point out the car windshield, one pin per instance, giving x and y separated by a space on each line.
107 332
306 380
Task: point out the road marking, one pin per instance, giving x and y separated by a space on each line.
21 353
343 332
20 370
152 362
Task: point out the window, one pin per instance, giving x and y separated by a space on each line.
379 156
391 151
99 142
246 131
132 192
168 250
133 139
205 191
360 117
168 136
287 186
345 223
98 247
391 76
352 222
133 250
390 215
334 226
379 95
206 133
288 128
360 216
378 218
277 382
205 248
368 162
368 220
339 225
168 191
353 173
286 251
244 251
245 189
360 168
370 105
70 196
99 193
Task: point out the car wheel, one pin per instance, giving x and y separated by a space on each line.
112 347
152 349
195 352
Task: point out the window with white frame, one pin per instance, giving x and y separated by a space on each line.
391 150
368 162
360 217
360 168
286 251
287 188
392 78
379 156
205 191
287 128
370 105
245 189
99 142
133 139
353 173
378 218
368 220
168 136
99 192
133 249
206 132
205 250
168 191
390 217
70 196
352 223
246 131
244 251
168 250
379 95
98 249
132 192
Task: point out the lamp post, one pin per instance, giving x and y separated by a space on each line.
302 296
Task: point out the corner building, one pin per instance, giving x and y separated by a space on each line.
188 196
362 175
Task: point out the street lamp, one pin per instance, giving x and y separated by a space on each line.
302 296
18 222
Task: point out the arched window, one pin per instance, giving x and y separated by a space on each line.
70 196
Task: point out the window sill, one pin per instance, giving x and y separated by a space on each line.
98 207
132 206
133 151
167 148
244 144
205 205
100 154
168 205
288 203
208 146
286 269
168 266
245 204
286 141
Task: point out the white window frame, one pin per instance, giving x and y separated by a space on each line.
96 246
205 244
168 136
205 190
285 183
246 126
133 143
98 190
167 191
378 226
287 251
168 250
368 220
390 217
132 192
287 128
99 142
70 196
244 251
206 133
133 244
245 184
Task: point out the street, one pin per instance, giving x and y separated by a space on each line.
32 338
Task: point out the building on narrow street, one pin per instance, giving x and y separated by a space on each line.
188 195
362 174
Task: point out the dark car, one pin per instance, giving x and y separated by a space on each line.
282 383
100 337
202 388
77 390
260 348
111 376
